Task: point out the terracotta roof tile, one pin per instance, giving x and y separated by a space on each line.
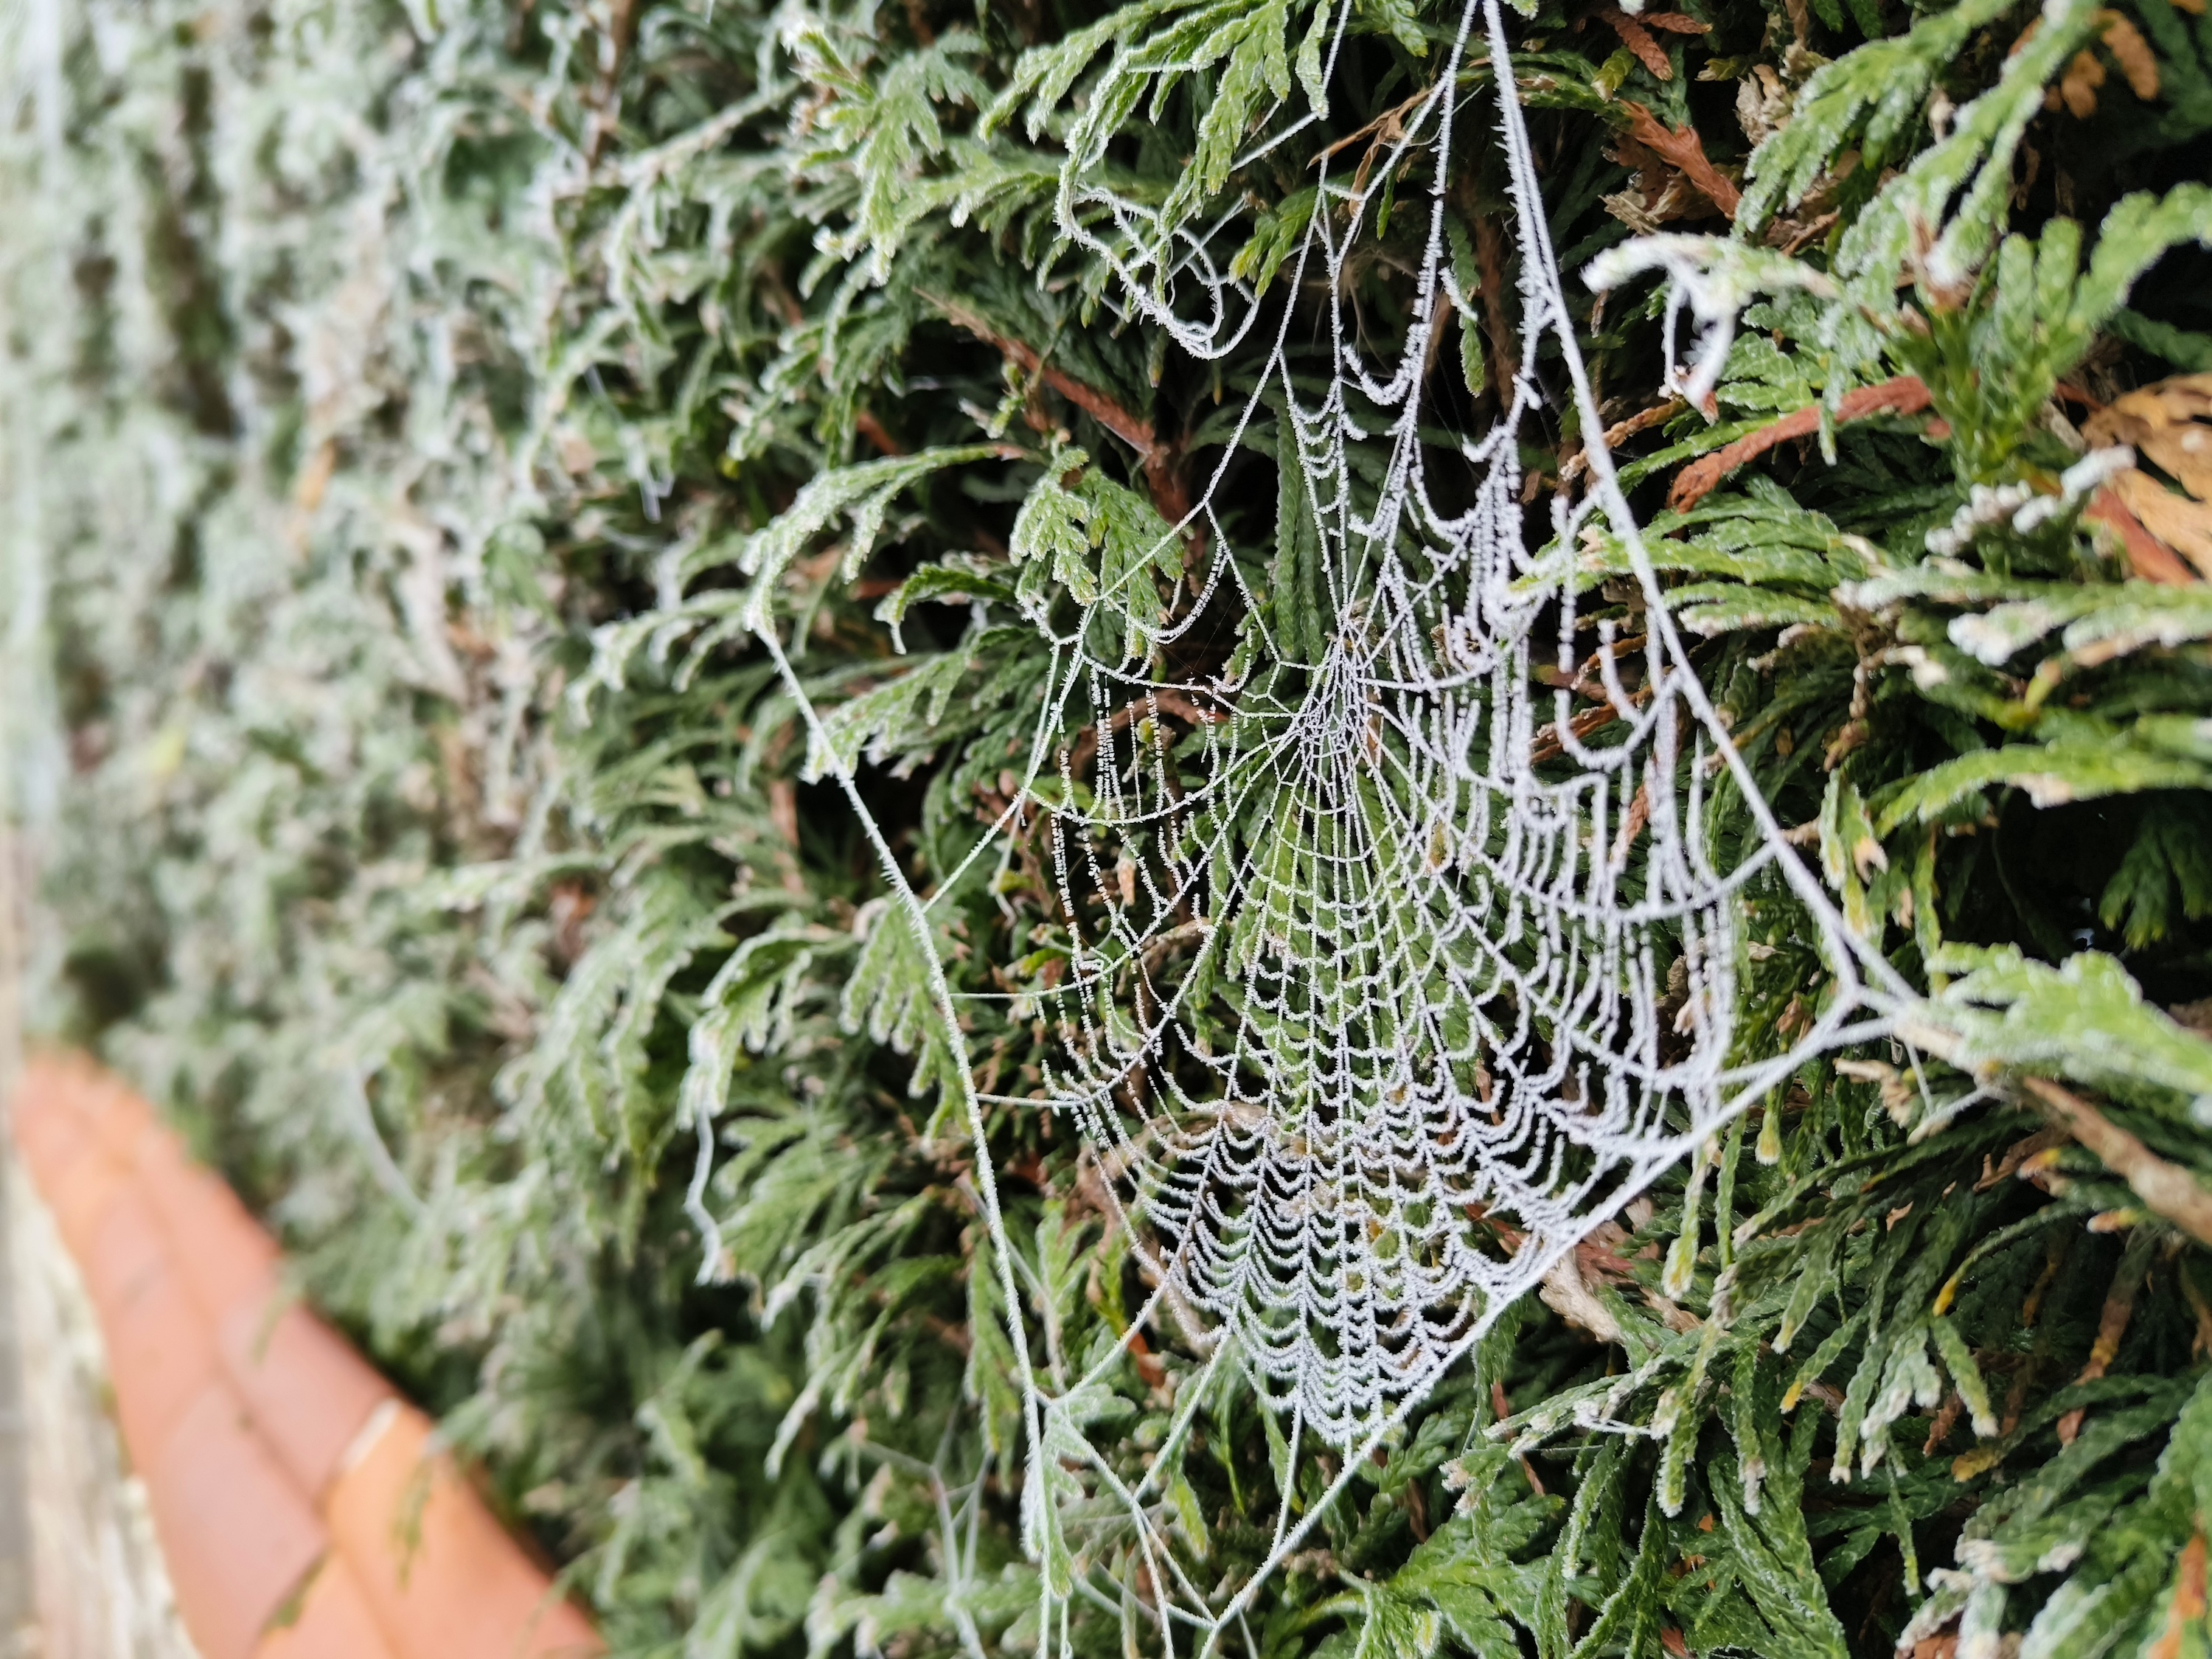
333 1621
464 1591
160 1355
79 1200
127 1248
237 1534
310 1392
256 1426
225 1254
117 1115
52 1132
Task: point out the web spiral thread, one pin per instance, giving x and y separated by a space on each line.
1435 969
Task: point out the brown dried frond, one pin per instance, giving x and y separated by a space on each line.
1639 39
2130 51
2077 89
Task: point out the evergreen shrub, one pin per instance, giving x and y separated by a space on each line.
409 405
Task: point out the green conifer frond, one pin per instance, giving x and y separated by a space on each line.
416 415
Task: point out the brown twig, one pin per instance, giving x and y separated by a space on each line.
1620 432
875 432
1084 749
1905 395
1386 129
2167 1190
1162 462
1549 744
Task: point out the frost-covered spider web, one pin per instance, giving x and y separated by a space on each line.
1433 968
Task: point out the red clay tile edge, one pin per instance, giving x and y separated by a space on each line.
304 1510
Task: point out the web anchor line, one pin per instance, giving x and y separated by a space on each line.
1425 976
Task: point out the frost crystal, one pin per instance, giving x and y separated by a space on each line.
1436 970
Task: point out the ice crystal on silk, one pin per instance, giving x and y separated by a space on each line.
1435 967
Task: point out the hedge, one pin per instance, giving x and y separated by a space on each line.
412 408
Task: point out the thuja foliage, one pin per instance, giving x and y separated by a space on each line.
412 408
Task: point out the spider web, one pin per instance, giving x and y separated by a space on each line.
1435 970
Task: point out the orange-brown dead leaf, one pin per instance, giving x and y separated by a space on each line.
2147 557
2182 522
2168 425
